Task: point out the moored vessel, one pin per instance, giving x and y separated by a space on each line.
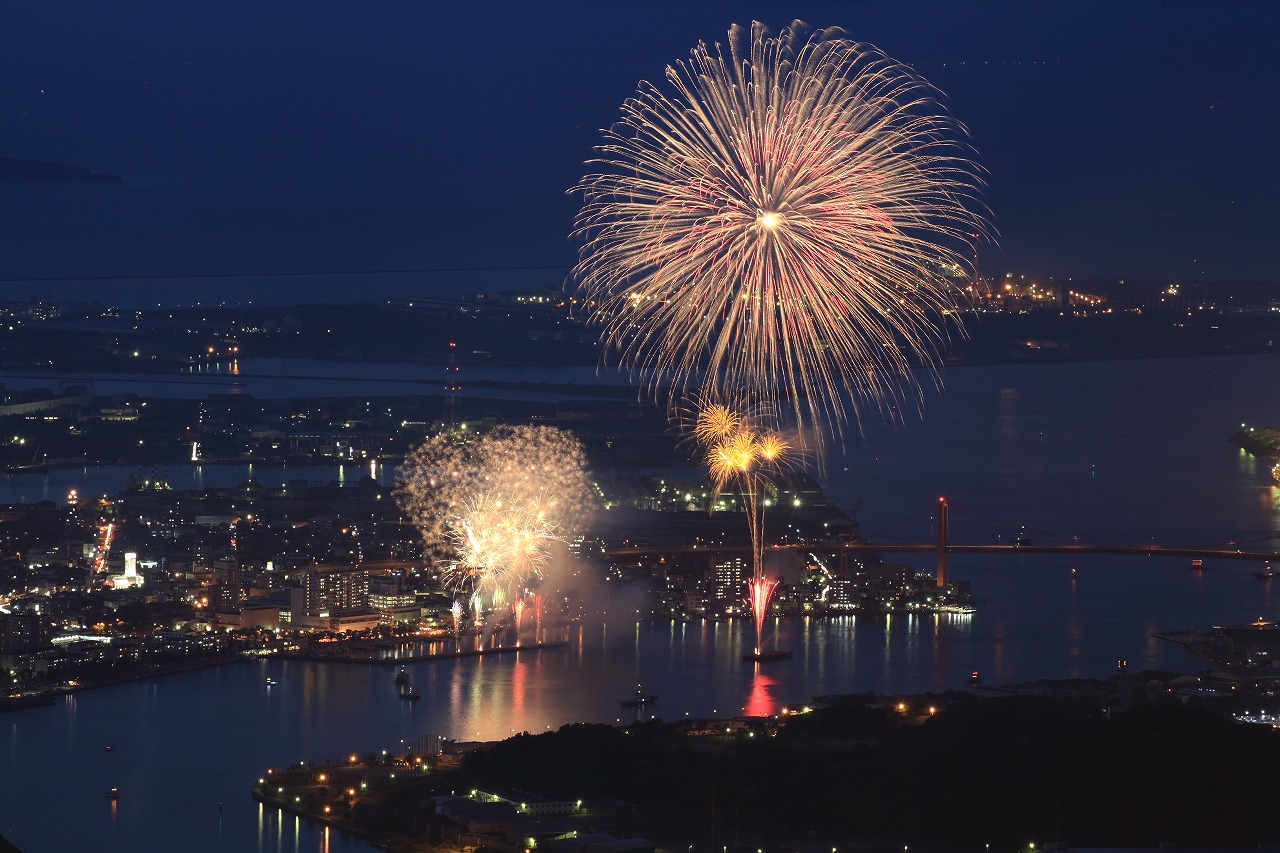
760 656
640 699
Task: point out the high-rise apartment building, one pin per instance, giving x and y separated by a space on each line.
330 588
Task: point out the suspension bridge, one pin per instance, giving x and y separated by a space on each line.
943 548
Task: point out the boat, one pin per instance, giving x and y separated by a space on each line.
776 654
402 678
113 793
270 681
1266 574
975 678
409 695
640 699
1197 565
949 607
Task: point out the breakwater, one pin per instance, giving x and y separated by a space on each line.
371 656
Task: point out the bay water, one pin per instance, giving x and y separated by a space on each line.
1106 453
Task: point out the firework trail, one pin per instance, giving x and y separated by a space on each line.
457 610
790 220
759 592
491 505
740 450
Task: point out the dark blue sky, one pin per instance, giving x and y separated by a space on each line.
1123 139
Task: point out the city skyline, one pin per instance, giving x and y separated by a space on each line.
239 541
1118 142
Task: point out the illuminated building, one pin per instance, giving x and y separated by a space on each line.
335 588
21 631
392 601
727 578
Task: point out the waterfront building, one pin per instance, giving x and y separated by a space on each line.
226 584
396 607
842 594
335 588
21 631
529 804
339 622
260 616
291 613
728 577
391 597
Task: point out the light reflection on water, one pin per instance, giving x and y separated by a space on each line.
1113 452
186 748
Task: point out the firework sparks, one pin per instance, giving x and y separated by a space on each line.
759 592
518 608
493 505
739 450
457 610
714 423
499 544
789 221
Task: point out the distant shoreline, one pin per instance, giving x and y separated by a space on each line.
48 695
14 170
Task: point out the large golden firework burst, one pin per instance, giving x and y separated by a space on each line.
789 222
490 505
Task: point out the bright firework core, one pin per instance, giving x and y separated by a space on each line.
488 506
759 591
779 219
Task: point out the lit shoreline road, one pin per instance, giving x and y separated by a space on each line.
342 796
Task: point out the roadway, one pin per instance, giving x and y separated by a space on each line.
1207 554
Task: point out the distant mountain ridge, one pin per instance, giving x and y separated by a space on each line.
15 170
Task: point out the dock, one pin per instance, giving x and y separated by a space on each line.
1263 442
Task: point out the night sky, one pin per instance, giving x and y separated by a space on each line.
1130 139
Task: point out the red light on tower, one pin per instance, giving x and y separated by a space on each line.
452 386
944 511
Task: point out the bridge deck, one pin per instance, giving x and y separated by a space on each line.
932 548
